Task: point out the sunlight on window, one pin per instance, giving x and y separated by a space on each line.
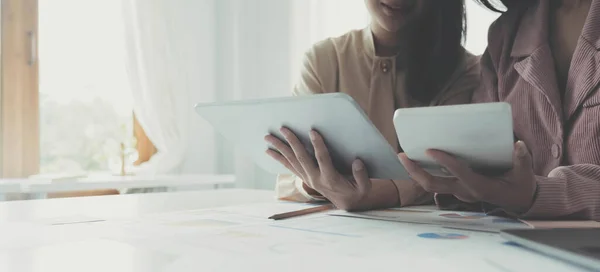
85 102
478 23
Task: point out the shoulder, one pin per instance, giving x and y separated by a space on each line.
323 58
468 70
470 64
324 51
503 31
321 66
464 81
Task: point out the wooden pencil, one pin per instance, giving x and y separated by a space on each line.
317 209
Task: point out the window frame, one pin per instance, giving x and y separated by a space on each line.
19 92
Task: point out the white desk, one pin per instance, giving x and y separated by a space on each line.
126 182
38 188
9 186
119 206
309 243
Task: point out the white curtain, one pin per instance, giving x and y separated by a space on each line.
159 79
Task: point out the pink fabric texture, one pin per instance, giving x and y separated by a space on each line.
562 131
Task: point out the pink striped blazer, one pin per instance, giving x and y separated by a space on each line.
562 133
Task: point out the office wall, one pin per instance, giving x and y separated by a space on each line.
198 22
250 54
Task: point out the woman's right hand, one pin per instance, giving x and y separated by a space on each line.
345 193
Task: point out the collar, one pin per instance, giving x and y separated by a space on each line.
591 29
368 43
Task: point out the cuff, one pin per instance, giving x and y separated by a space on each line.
299 184
549 198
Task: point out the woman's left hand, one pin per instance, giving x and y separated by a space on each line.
513 191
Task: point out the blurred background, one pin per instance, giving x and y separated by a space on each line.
109 85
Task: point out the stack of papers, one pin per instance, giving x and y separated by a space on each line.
461 220
448 219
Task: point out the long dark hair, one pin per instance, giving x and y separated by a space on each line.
435 48
501 5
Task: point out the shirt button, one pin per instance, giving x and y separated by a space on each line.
556 151
385 66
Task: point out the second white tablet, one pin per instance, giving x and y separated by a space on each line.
480 134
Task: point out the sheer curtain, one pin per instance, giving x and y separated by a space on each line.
163 65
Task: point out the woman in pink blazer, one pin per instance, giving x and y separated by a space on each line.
543 58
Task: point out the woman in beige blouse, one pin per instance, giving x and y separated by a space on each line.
411 55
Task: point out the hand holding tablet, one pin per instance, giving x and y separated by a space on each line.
481 135
347 131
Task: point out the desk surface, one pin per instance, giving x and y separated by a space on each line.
133 205
98 182
167 232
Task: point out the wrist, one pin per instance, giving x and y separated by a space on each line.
383 194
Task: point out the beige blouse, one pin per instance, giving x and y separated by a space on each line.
349 64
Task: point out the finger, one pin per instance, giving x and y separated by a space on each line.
322 153
427 181
480 187
281 159
286 151
306 161
359 171
456 167
522 161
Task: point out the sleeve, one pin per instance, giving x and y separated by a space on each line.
290 187
309 81
570 192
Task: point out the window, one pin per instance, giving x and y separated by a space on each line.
85 101
19 92
479 20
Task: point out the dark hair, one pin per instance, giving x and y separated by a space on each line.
500 5
435 49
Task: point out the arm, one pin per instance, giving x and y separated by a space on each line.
383 194
568 192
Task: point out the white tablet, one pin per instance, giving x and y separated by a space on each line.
348 132
480 134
